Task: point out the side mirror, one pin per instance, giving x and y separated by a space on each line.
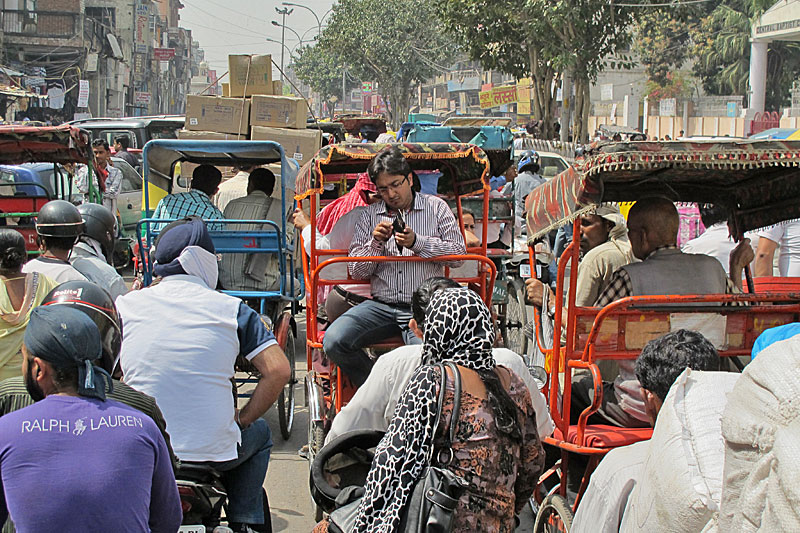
183 182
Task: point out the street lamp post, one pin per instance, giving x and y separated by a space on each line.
283 12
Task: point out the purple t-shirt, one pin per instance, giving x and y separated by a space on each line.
77 464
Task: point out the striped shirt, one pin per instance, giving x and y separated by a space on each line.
437 234
14 396
184 204
250 272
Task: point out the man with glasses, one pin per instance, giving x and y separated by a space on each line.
402 223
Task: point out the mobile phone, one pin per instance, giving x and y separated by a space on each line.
398 225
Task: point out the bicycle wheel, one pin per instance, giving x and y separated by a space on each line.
516 317
554 516
286 397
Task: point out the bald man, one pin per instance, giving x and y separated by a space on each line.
653 232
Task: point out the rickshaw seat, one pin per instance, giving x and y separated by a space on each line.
776 284
604 436
385 345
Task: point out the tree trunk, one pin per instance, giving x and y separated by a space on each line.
542 80
566 101
582 109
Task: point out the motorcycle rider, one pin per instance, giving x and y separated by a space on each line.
95 248
181 340
92 300
58 226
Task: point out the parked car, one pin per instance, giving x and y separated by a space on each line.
139 130
551 164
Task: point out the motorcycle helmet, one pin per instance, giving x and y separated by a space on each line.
339 470
528 159
59 218
99 224
98 304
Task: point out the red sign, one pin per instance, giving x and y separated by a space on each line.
163 54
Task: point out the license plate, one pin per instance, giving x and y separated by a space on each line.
192 529
525 271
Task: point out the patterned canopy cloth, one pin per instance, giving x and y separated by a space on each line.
759 181
465 167
51 144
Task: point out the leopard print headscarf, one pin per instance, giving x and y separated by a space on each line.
458 328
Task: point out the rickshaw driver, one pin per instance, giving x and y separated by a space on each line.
430 230
653 231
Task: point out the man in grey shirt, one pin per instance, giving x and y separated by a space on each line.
95 246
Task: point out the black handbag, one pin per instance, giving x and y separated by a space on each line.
432 504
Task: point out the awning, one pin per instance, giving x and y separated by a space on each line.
759 181
19 93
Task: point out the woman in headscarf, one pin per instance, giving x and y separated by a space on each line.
357 196
19 294
497 451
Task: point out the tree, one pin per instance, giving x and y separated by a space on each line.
397 44
502 38
322 71
663 42
722 51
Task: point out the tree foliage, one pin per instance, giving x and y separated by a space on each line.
663 42
322 71
394 43
722 51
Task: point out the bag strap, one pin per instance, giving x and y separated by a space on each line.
450 435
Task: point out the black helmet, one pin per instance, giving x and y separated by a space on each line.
346 459
59 218
98 304
529 159
99 224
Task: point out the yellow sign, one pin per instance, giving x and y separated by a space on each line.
498 96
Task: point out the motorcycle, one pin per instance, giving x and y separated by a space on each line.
203 497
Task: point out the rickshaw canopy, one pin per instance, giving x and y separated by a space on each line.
758 181
160 156
462 165
353 124
47 144
478 121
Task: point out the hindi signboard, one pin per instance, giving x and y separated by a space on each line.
366 86
163 54
498 96
83 93
142 97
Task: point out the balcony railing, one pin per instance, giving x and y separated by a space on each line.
59 24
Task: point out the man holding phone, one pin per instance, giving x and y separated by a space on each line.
403 223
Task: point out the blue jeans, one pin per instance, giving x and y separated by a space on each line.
244 476
367 323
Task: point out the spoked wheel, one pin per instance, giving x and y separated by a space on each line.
316 440
516 316
286 397
554 516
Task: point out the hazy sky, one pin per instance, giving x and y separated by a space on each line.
241 27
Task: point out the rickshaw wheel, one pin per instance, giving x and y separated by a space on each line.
555 515
286 397
515 319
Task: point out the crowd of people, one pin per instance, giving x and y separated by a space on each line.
111 390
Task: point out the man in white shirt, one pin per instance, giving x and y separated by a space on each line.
658 366
715 240
58 225
787 235
235 187
110 180
181 339
95 245
373 405
258 271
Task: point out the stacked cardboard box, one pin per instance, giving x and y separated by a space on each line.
252 106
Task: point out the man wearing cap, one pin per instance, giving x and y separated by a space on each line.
97 464
605 248
180 342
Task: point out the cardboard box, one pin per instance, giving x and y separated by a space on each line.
301 145
277 88
222 115
249 74
209 136
226 89
278 112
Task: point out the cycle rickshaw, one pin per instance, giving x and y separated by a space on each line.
58 145
161 160
464 172
759 183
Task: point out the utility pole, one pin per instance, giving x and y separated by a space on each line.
283 12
